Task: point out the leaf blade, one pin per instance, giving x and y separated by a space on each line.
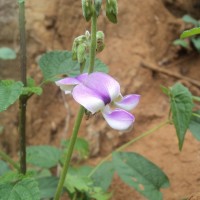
181 106
140 173
9 93
43 156
22 190
56 63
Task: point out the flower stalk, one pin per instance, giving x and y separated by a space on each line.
80 113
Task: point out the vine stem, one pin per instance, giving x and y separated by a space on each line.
162 124
23 99
69 153
6 158
80 113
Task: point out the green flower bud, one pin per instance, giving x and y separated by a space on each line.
112 10
100 41
97 5
74 50
79 40
87 9
81 51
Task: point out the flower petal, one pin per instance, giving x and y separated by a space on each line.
88 98
128 102
103 85
118 119
67 84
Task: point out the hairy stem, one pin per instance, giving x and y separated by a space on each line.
9 160
93 42
80 114
22 99
129 143
69 153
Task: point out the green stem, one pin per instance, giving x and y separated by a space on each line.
22 99
93 42
80 114
69 153
9 160
129 143
195 98
196 115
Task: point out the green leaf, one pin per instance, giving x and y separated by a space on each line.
10 176
181 107
98 194
81 147
43 156
56 63
194 125
189 19
190 33
103 176
32 90
3 167
75 182
182 43
196 43
47 186
21 1
26 189
81 170
165 90
30 82
9 93
7 53
140 173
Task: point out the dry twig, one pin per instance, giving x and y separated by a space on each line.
170 73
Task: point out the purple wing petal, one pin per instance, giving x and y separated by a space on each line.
88 98
103 85
128 102
67 84
119 119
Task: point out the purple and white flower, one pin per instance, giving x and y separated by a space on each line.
96 91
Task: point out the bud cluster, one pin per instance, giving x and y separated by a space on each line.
90 7
81 46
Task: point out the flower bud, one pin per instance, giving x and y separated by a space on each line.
81 51
112 10
87 9
100 41
97 5
79 40
74 50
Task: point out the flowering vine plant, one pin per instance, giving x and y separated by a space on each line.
96 91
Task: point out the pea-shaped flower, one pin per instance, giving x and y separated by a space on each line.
96 92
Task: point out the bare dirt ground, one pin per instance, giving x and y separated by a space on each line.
144 34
